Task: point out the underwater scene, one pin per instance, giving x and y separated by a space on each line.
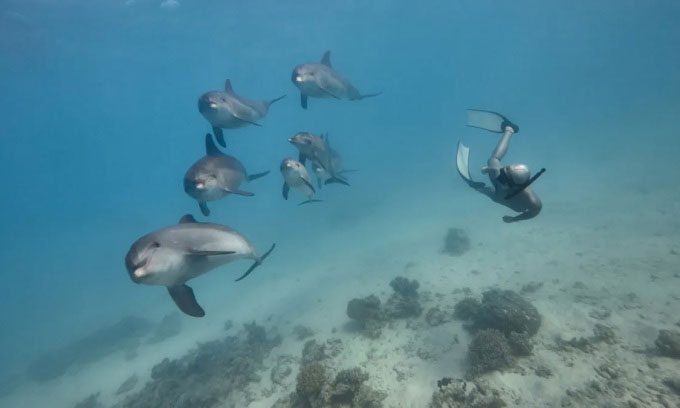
343 204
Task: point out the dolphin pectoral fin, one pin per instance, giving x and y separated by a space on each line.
369 95
276 99
204 208
184 298
286 189
199 252
257 175
187 219
313 200
308 184
331 94
210 148
219 135
303 101
257 263
318 183
336 180
239 192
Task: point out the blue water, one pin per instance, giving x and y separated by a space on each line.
99 123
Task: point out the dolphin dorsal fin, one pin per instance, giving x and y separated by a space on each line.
187 219
227 86
326 59
210 147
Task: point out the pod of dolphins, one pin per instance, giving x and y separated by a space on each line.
173 255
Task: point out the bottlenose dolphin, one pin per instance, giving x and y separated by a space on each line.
295 175
318 150
320 80
226 110
215 176
173 255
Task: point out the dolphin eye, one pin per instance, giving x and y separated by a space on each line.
155 244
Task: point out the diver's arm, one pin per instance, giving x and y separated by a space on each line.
502 146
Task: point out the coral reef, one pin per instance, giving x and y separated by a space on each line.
520 343
310 380
456 242
368 313
508 312
488 351
90 402
125 335
436 317
302 332
668 343
467 309
127 385
208 375
403 303
282 370
465 394
170 326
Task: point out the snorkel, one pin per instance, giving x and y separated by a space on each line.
523 186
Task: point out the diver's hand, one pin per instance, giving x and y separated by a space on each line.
508 219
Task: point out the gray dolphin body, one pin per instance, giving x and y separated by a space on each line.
318 150
171 256
215 176
320 80
226 110
295 176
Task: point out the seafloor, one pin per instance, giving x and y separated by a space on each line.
591 319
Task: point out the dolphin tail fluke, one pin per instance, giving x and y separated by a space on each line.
276 99
303 101
258 175
337 180
184 298
369 95
257 263
219 135
204 208
311 200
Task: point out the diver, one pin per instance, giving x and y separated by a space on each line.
510 183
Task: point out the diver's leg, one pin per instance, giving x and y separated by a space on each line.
502 146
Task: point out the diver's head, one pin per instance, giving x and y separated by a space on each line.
514 175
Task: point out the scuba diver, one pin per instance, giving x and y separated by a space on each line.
510 183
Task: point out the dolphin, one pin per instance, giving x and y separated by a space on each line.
320 80
318 150
173 255
295 175
215 176
226 110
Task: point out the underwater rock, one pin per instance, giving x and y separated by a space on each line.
436 317
170 326
488 351
208 375
467 309
673 384
302 332
543 371
668 343
313 352
456 242
520 343
128 384
508 312
228 325
403 303
465 394
123 336
368 313
90 402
